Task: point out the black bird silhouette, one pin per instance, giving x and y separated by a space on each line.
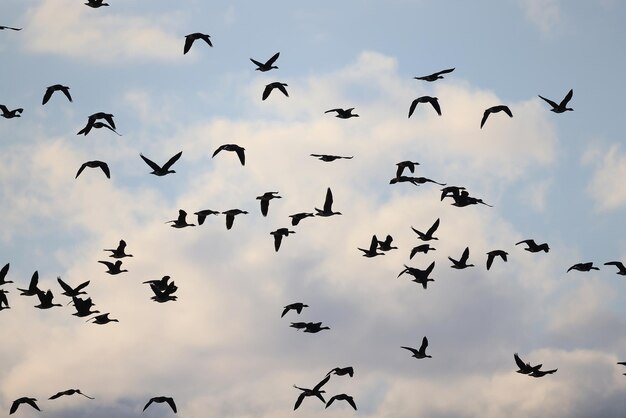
163 294
495 109
620 267
540 373
297 217
69 392
265 201
297 306
113 268
161 399
160 284
119 252
462 198
102 319
314 327
328 158
311 392
533 247
83 307
421 352
342 371
52 89
278 236
95 164
452 191
386 244
230 216
16 403
413 180
342 397
424 248
402 165
181 221
434 76
268 65
493 254
371 251
192 37
9 27
3 274
275 85
561 107
298 325
583 267
202 214
425 99
343 113
429 234
462 262
32 286
45 300
92 121
158 170
10 114
96 3
328 206
233 147
525 368
419 276
72 291
4 302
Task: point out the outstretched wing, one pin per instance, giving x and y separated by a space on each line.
151 163
171 161
433 228
550 102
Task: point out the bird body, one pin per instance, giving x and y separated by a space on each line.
9 27
297 217
425 99
202 214
265 201
10 114
561 107
56 87
462 262
493 254
278 236
343 113
621 270
429 234
24 400
424 248
161 399
328 206
267 65
583 267
95 164
32 286
372 250
495 109
328 158
45 300
434 76
230 216
119 252
83 307
164 170
419 276
72 291
102 319
533 247
297 306
342 397
386 244
316 391
181 221
192 37
421 352
275 85
67 393
113 268
235 148
342 371
96 3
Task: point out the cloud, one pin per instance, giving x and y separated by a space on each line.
606 186
545 14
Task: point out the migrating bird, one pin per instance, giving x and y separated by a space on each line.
189 40
409 165
69 392
533 247
342 397
583 267
268 65
29 401
314 327
202 214
621 270
297 217
275 85
113 268
119 252
45 300
434 76
540 373
161 399
425 99
297 306
158 170
493 254
265 201
419 276
4 302
386 244
342 371
311 392
72 291
328 158
95 164
414 180
160 284
421 352
230 216
92 122
495 109
83 307
423 248
10 114
278 236
56 87
328 206
96 3
525 368
343 113
32 286
3 274
462 262
9 27
181 221
561 107
371 251
163 294
429 234
232 147
102 319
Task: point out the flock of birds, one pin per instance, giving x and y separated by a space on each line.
163 290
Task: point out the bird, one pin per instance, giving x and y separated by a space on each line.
298 325
95 164
419 276
45 300
434 76
164 170
371 251
540 373
72 291
493 254
328 158
9 27
69 392
342 371
425 99
4 302
561 107
3 274
119 252
10 114
583 267
402 165
113 269
451 191
462 198
96 3
342 397
16 403
52 89
278 236
462 262
83 307
621 270
232 147
316 391
421 352
297 217
296 306
268 65
265 201
429 234
160 284
230 216
92 121
102 319
314 327
328 206
533 247
386 244
32 286
495 109
423 248
181 221
275 85
343 113
163 294
161 399
525 368
192 37
414 180
202 214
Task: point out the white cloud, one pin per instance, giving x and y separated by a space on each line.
606 186
546 14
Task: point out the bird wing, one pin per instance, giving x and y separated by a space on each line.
266 92
241 154
188 42
435 103
465 256
170 402
31 402
257 63
490 257
64 285
230 218
151 163
58 395
411 110
299 401
485 116
5 109
4 271
271 61
277 240
424 345
105 168
506 110
171 161
433 228
328 111
529 242
567 97
550 102
207 39
221 147
449 70
282 88
265 204
519 362
373 244
80 170
34 281
328 202
412 350
66 91
350 400
330 401
47 95
321 383
81 286
148 404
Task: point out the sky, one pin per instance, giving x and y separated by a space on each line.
222 349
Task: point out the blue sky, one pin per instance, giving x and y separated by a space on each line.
222 349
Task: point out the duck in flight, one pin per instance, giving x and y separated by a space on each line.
495 109
328 158
561 107
275 85
491 255
164 170
462 262
278 236
434 76
342 397
425 99
160 284
429 234
10 114
161 399
9 27
68 393
120 251
423 248
230 216
113 268
297 217
621 270
102 319
235 148
297 306
56 87
3 275
541 373
328 206
181 221
96 3
265 201
202 214
421 352
316 391
267 65
95 164
343 113
372 250
533 247
583 267
24 400
192 37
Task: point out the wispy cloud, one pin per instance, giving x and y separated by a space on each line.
545 14
606 185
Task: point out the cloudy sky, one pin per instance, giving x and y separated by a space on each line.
221 349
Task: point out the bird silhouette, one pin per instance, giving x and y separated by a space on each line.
24 400
372 250
328 158
69 392
525 368
298 325
343 113
158 170
434 76
561 107
493 254
93 119
233 147
45 300
83 307
451 191
314 327
192 37
495 109
265 201
275 85
160 284
113 268
119 252
296 306
342 397
316 391
161 399
419 276
297 217
102 319
278 236
202 214
56 87
540 373
413 180
32 286
462 262
342 371
421 352
94 164
533 247
386 244
10 114
3 274
96 3
181 221
268 65
462 198
9 27
328 206
72 291
425 99
429 234
621 270
583 267
163 294
230 216
423 248
4 302
408 165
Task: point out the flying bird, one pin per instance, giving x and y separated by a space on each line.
69 392
181 221
314 327
265 201
328 206
434 76
583 267
421 352
316 391
429 234
3 274
462 262
493 254
119 252
161 399
533 247
56 87
525 368
10 114
278 236
409 165
83 307
4 302
561 107
9 27
275 85
621 270
342 397
95 164
158 170
425 99
372 250
160 284
268 65
192 37
419 276
495 109
297 217
342 371
92 121
202 214
102 319
328 158
72 291
45 300
113 268
386 244
24 400
414 180
230 216
540 373
297 306
32 286
423 248
96 3
343 113
232 147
